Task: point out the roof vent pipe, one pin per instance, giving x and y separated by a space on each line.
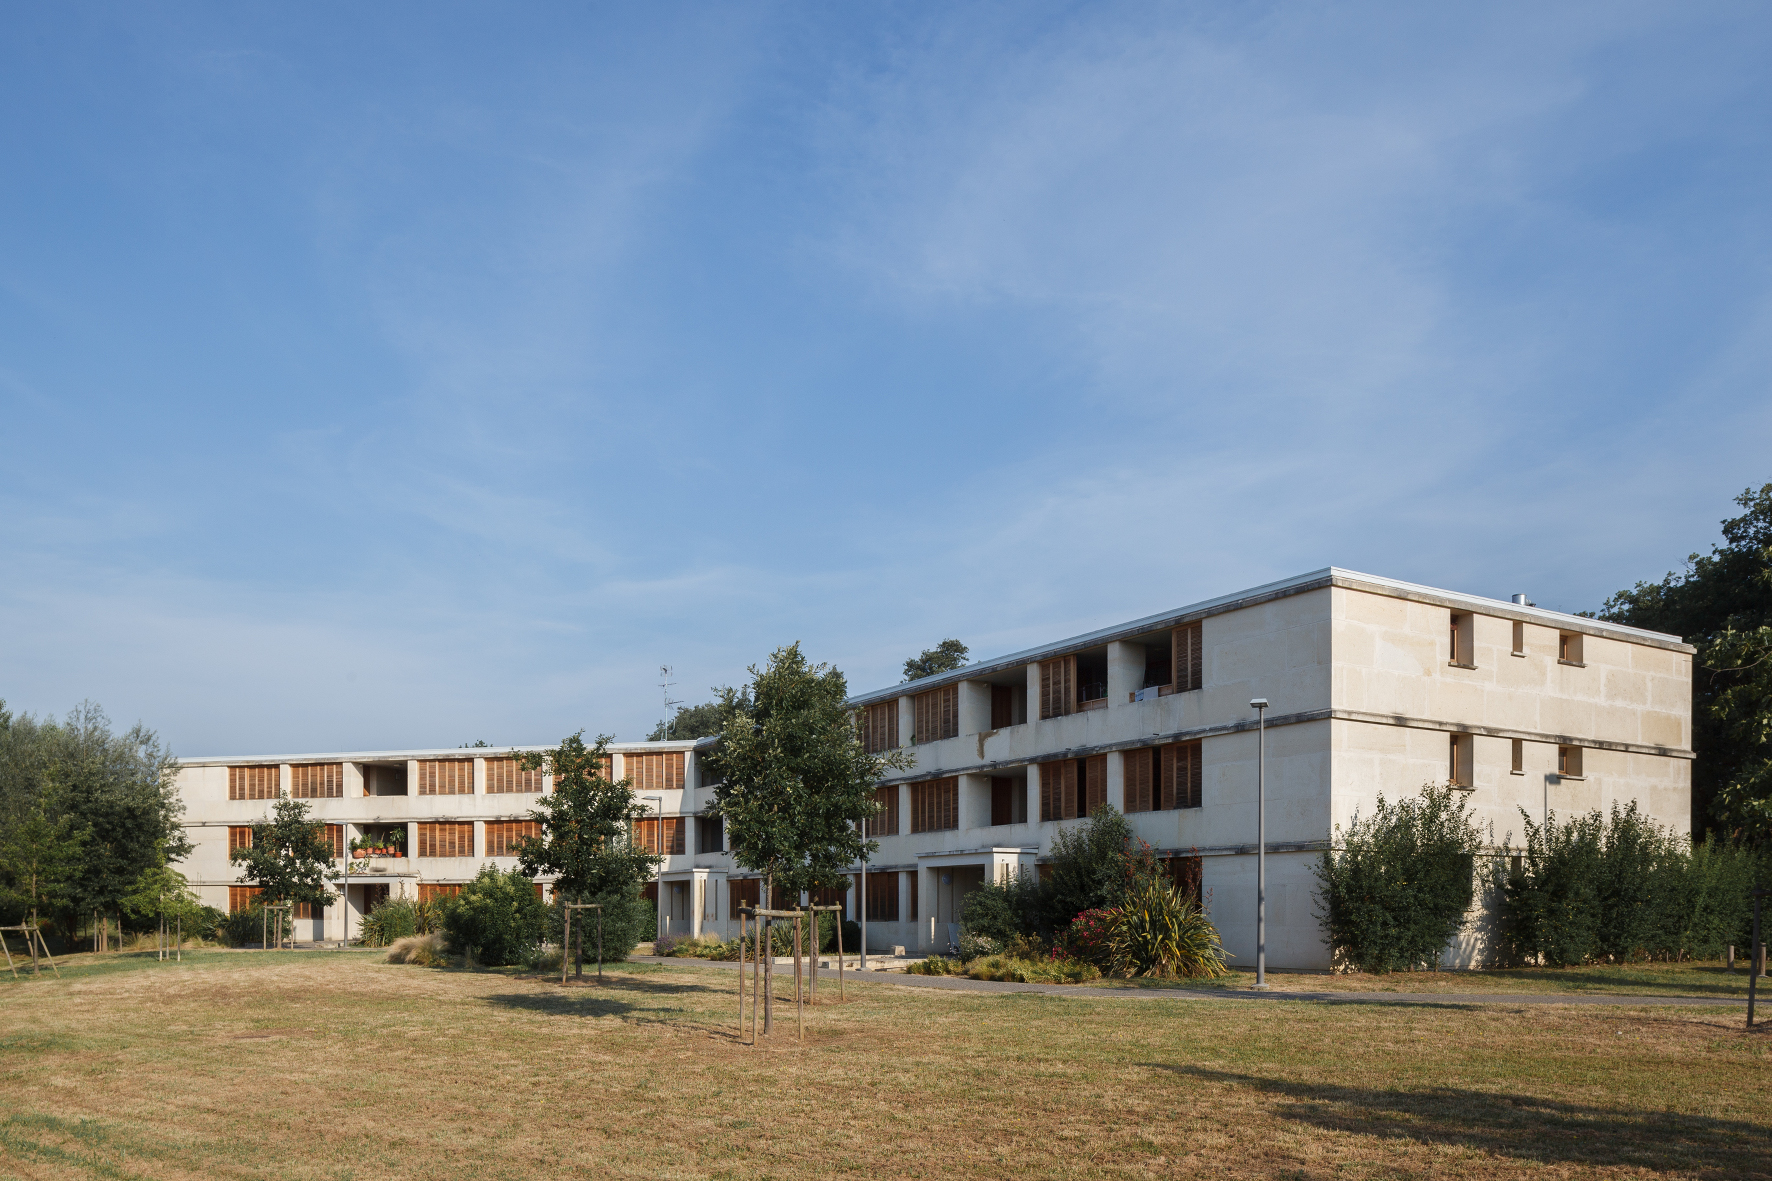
1522 601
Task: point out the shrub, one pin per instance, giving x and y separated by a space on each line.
1397 885
973 946
393 920
497 918
1032 971
1159 931
1090 937
851 936
246 928
1620 887
1003 910
627 922
935 965
427 951
1088 868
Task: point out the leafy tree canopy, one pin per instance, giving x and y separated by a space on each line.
290 859
795 777
84 812
949 654
700 721
586 823
1722 604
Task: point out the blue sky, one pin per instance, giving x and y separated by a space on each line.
400 375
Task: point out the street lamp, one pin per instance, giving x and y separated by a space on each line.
861 909
1259 705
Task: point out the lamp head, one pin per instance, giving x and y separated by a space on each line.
1258 703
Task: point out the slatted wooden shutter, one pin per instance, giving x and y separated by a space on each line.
446 777
317 781
1189 664
936 714
507 777
335 839
240 898
744 892
446 840
257 782
502 836
655 771
433 893
1095 783
1138 766
884 823
935 805
1181 775
881 726
1058 680
1058 790
239 837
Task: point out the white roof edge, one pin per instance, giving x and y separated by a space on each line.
1298 583
448 752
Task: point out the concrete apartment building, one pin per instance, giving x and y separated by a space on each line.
1374 686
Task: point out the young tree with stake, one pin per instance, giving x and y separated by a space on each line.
289 859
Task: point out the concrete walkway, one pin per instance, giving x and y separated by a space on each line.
961 984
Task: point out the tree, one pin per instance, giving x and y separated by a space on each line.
949 654
497 918
1092 866
796 779
40 854
695 721
1722 604
290 859
586 825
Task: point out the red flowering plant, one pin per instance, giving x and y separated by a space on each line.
1088 937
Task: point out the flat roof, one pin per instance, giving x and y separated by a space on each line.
1284 588
447 752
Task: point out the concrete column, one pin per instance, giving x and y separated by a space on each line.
975 707
411 840
480 837
698 884
904 809
1033 793
479 776
1116 774
975 801
928 894
285 779
907 720
906 917
1125 671
353 781
1034 691
411 779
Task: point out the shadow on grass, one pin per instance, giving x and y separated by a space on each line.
1527 1128
554 1004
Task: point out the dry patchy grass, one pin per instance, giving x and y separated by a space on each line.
333 1065
1696 979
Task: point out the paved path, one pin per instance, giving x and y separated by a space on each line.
961 984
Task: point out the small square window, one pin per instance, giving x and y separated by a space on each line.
1462 647
1569 647
1458 765
1519 767
1569 761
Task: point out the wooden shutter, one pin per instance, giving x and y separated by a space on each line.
507 777
935 805
1095 783
317 781
674 835
1058 686
884 823
502 836
655 771
880 724
1137 765
432 893
1188 663
259 782
936 714
239 837
742 892
240 898
883 897
1058 790
1181 775
446 777
335 839
446 840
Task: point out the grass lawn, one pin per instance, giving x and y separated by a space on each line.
334 1065
1706 979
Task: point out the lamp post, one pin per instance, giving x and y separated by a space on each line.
1259 705
862 909
658 838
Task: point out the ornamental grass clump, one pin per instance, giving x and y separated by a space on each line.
936 965
1059 970
1159 931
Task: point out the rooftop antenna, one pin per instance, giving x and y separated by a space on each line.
665 683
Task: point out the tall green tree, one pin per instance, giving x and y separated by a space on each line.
1722 604
290 859
39 858
796 779
586 824
696 721
947 655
